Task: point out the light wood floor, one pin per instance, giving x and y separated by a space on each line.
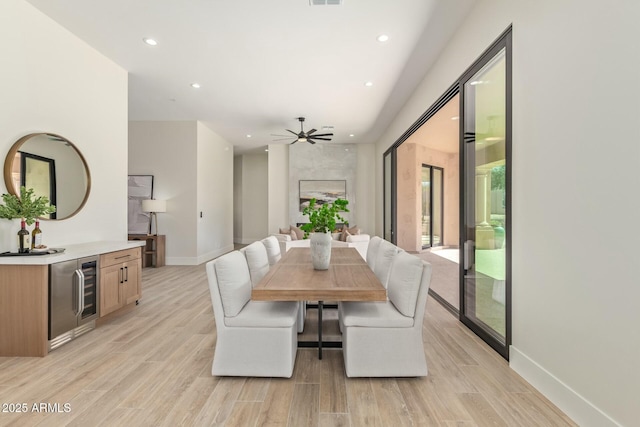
152 366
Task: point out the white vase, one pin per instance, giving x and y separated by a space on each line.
320 250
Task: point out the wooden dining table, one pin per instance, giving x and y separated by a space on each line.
293 278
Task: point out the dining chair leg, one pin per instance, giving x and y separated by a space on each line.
320 330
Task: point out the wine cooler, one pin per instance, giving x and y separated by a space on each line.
73 299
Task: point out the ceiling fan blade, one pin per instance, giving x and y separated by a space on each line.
288 138
312 131
320 139
323 134
310 141
275 134
291 132
294 142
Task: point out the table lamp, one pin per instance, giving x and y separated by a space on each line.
153 206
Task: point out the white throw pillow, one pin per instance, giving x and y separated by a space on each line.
404 283
234 282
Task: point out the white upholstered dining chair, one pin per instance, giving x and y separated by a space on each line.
260 257
257 260
384 257
273 249
274 253
254 338
384 339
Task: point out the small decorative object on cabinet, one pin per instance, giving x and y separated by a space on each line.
120 279
322 221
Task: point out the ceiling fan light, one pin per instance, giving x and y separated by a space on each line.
302 139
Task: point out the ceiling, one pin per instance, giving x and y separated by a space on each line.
261 64
442 131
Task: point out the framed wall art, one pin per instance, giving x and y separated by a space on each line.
324 191
140 187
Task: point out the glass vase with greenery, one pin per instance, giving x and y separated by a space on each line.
322 219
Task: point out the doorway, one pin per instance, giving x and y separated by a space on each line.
432 206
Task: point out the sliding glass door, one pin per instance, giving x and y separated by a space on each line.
485 272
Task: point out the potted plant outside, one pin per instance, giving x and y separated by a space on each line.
26 207
322 222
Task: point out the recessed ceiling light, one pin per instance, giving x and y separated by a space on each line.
150 42
195 85
368 84
383 38
346 149
266 149
248 136
351 135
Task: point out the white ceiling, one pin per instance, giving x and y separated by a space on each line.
262 63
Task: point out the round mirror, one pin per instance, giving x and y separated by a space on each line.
53 167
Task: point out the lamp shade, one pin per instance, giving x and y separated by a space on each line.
152 205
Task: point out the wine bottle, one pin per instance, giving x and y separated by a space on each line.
36 236
23 238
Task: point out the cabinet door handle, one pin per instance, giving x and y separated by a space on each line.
126 272
123 256
121 275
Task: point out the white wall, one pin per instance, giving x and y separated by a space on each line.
255 197
575 111
278 187
167 150
50 81
215 195
192 170
237 199
365 217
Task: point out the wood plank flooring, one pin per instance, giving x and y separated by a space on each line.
151 366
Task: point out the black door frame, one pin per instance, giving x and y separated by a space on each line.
431 191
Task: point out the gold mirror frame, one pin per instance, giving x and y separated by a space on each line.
8 168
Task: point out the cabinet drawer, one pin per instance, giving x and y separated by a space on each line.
119 257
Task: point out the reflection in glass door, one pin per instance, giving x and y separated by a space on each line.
431 206
485 302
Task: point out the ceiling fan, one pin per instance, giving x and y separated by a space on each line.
303 136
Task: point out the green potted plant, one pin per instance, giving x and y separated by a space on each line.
26 207
322 222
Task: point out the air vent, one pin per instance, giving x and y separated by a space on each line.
325 2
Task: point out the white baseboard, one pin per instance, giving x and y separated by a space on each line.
246 240
569 401
200 259
214 254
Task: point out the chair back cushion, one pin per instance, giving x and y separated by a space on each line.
257 260
404 283
384 258
273 249
234 282
372 251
